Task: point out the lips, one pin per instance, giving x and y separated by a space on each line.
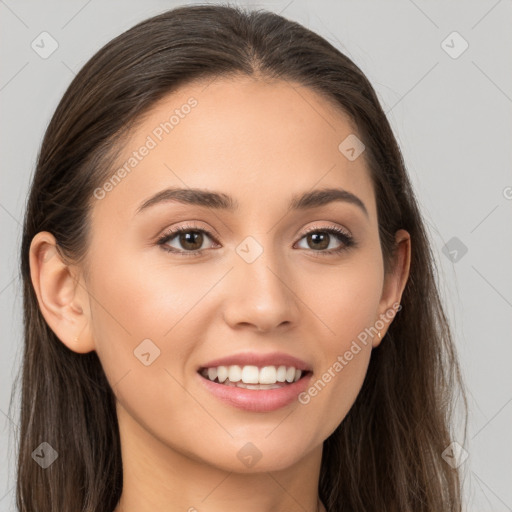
256 400
256 382
259 360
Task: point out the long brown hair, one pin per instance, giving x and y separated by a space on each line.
387 453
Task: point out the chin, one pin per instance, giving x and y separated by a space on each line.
256 454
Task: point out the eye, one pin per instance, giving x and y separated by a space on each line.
321 238
190 238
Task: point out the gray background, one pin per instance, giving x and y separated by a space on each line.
451 117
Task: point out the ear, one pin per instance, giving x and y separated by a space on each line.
63 300
394 283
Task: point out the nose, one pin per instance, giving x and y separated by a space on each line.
261 295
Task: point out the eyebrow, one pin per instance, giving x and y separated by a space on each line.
220 201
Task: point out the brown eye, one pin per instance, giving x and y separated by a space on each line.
186 240
191 240
319 240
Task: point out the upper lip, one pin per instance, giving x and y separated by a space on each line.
260 360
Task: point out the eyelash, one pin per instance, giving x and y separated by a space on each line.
348 240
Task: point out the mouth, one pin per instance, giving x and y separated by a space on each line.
253 377
255 382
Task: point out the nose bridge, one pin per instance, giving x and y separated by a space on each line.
260 294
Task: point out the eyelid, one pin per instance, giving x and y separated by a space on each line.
335 227
188 226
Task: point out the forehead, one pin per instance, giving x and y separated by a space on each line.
255 140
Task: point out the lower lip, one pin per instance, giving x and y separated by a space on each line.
257 400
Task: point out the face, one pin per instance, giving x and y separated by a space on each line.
257 279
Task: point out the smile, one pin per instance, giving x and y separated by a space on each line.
253 388
253 377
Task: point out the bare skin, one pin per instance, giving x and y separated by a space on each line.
261 143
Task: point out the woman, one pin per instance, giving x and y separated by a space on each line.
230 299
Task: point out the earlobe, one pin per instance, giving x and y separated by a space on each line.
394 283
62 301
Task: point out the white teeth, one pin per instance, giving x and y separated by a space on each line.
268 375
235 373
252 386
222 373
212 373
290 374
281 374
252 377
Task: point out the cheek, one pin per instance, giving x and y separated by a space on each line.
346 300
332 393
139 300
149 309
145 300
